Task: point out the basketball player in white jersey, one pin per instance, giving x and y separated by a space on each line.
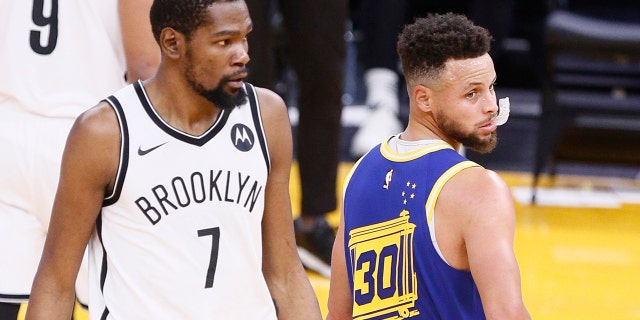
180 185
57 58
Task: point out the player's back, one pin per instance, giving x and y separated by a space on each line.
59 57
393 261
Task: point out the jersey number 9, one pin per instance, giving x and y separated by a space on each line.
40 20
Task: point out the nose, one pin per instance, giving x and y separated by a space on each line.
241 56
491 103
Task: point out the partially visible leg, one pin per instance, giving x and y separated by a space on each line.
317 52
380 22
261 66
9 311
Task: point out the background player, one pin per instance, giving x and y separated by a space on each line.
56 60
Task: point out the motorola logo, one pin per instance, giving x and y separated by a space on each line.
242 137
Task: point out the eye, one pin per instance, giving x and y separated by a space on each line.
471 95
224 42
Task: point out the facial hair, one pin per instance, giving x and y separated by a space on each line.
453 129
218 96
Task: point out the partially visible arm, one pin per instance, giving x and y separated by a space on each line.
340 303
487 224
287 280
141 50
88 168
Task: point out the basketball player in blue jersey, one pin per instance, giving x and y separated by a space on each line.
180 187
426 233
57 59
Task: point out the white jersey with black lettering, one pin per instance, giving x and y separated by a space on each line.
57 59
180 237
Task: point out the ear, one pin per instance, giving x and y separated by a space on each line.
422 97
172 43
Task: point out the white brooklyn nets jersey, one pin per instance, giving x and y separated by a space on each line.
180 237
59 58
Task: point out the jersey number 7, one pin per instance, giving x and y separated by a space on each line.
213 259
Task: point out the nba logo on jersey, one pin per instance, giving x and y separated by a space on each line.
242 137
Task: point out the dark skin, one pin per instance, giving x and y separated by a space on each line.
214 51
140 48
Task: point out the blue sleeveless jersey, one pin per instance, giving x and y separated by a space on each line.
394 269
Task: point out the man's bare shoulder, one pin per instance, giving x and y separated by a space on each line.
93 147
269 99
95 131
99 120
480 178
272 108
478 189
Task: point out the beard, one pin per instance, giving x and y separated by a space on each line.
454 130
218 96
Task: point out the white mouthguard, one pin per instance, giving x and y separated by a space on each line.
503 112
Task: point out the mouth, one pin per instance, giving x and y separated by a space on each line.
489 126
237 80
235 84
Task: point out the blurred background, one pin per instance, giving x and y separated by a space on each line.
571 69
579 244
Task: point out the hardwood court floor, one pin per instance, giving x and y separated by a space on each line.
576 262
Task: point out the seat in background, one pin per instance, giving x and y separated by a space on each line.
590 93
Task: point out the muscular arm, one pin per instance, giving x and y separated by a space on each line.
88 169
141 50
287 280
484 220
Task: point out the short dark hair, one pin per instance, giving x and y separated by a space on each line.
426 45
185 16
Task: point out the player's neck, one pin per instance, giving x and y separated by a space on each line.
180 106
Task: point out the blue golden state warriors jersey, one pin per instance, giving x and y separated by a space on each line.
394 269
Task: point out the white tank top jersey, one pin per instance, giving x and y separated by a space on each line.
180 237
55 36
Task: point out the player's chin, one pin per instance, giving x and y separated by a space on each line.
490 143
484 144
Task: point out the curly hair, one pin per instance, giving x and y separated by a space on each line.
185 16
426 45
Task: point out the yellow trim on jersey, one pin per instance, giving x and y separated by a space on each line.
439 184
393 155
347 178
